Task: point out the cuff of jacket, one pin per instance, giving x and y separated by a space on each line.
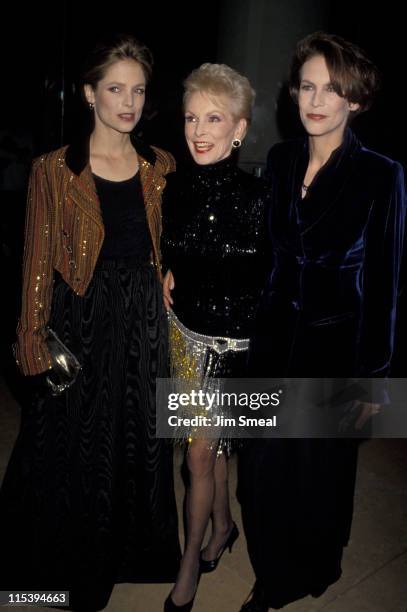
31 357
374 390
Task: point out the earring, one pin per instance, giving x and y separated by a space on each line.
236 143
91 106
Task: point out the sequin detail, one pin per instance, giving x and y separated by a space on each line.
64 231
195 362
213 241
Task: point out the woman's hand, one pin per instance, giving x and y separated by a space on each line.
367 410
168 286
36 386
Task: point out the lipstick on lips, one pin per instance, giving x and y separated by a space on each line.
315 117
127 116
202 147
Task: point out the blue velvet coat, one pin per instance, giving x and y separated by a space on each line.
329 305
328 310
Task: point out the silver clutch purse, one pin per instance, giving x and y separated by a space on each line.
65 366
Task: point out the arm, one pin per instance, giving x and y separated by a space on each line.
383 250
165 164
31 351
168 221
168 286
384 243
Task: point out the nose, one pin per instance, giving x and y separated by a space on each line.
128 99
199 128
318 98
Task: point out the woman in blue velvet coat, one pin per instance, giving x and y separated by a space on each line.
328 310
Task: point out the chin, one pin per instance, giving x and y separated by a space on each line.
316 133
204 160
314 130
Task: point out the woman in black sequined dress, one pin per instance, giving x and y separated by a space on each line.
213 219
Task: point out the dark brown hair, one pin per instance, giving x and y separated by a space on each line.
353 75
111 50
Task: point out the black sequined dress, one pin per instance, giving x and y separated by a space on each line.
213 244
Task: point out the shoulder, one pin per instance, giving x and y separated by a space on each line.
381 172
49 165
254 186
377 162
172 183
164 160
52 159
283 152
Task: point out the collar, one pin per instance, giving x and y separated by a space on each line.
77 153
328 184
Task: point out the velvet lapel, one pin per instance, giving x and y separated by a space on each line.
82 187
327 187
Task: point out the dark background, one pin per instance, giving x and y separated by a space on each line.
42 45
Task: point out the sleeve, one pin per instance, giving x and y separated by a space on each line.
31 351
170 164
165 160
264 242
380 282
170 224
270 162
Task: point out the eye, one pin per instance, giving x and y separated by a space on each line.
214 118
190 119
330 87
114 89
140 91
306 87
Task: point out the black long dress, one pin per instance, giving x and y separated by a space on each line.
328 310
88 497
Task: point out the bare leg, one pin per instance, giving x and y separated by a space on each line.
201 461
222 523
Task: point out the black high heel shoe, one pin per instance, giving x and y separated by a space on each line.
170 606
257 601
211 565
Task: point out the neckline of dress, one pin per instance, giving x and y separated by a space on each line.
105 180
220 167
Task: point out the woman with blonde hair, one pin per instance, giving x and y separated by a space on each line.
213 220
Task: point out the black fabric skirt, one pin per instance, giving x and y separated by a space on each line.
297 505
297 493
88 496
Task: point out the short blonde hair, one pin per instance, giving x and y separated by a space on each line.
220 79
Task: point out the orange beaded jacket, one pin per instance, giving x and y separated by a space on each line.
64 232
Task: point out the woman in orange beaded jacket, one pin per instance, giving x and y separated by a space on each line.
88 499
